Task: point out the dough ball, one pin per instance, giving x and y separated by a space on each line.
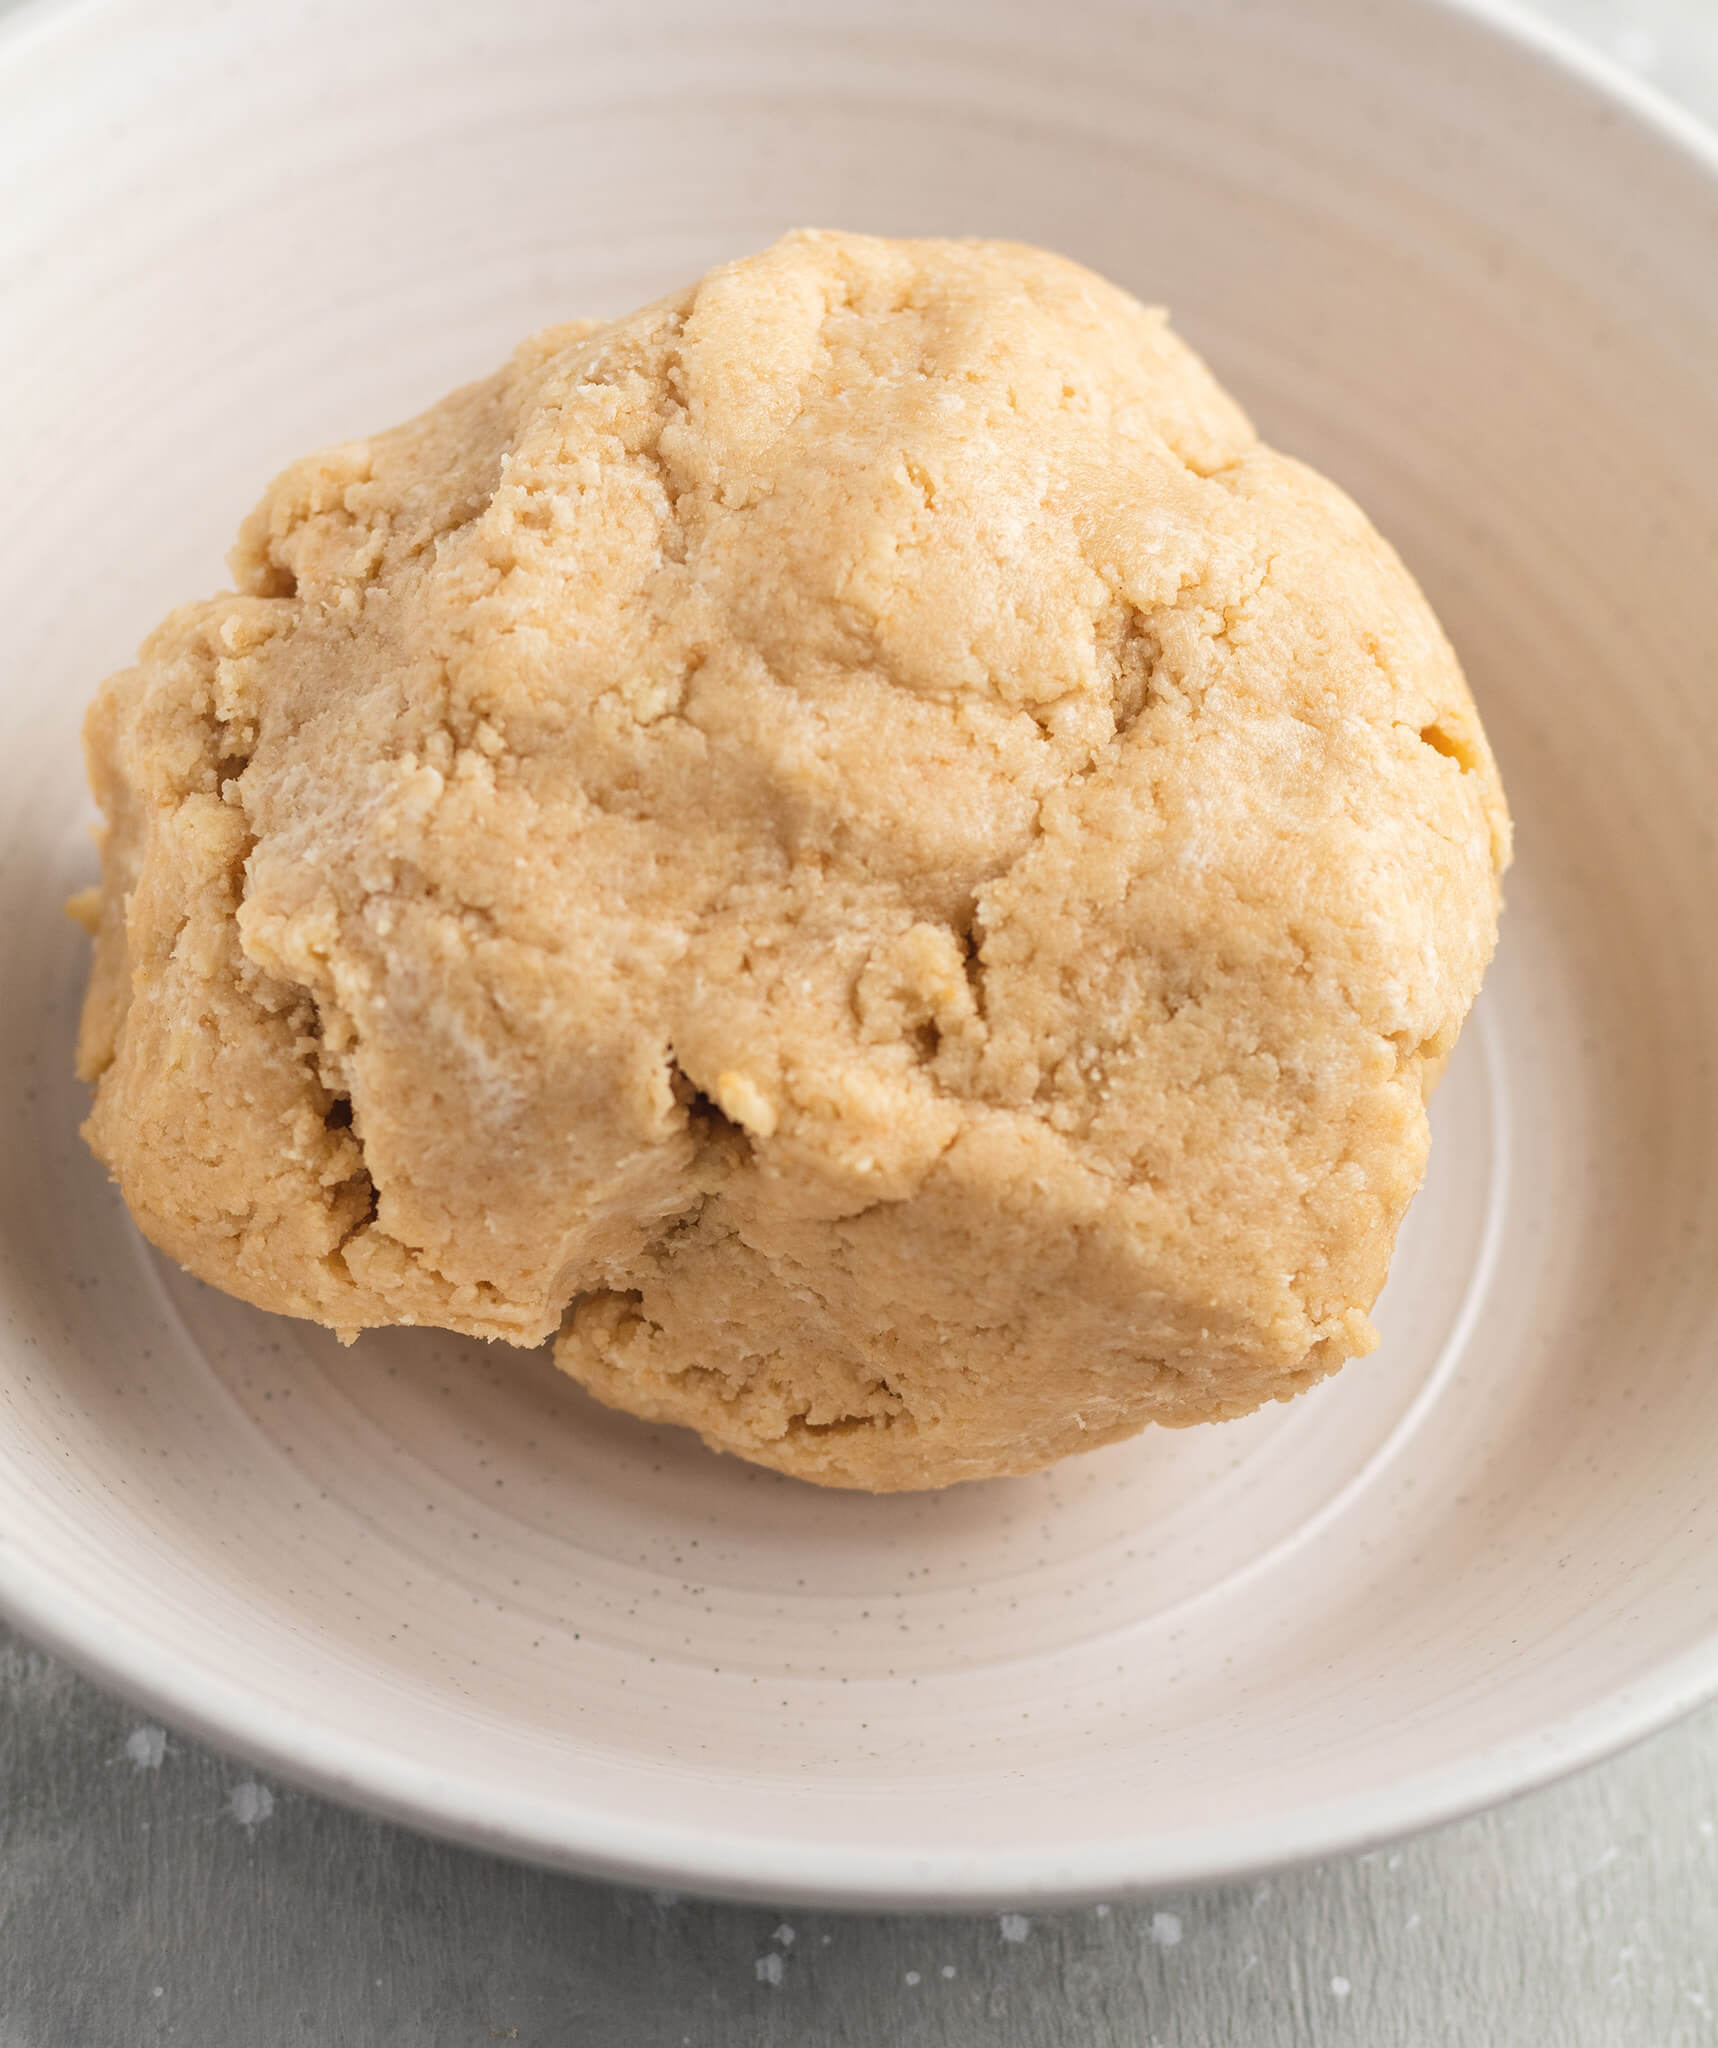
850 846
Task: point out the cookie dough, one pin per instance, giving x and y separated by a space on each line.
850 846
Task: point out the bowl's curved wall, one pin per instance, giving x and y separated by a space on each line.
1477 290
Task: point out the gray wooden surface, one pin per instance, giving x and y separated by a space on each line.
151 1891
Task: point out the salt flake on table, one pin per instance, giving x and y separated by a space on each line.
146 1746
250 1803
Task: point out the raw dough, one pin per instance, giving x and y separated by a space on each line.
851 843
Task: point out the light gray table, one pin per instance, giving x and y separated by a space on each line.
151 1891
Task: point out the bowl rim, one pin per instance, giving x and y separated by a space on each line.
565 1834
569 1834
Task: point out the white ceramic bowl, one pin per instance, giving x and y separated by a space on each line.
1442 260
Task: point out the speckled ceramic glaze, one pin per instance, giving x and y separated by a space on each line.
1445 264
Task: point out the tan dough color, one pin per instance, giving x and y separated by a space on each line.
851 842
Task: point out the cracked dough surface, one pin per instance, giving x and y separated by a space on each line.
850 845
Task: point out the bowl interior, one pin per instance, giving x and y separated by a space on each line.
432 1576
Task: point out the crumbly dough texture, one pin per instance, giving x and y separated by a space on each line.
850 845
